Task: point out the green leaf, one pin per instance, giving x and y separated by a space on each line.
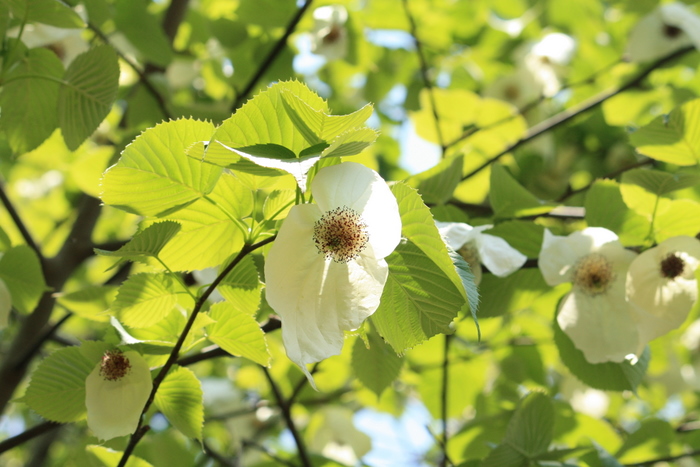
57 388
510 199
144 31
681 217
278 203
29 103
506 295
179 397
238 333
531 429
467 278
241 287
652 439
609 376
90 89
606 459
605 207
505 456
52 12
316 125
418 226
144 299
91 302
526 237
154 177
109 457
375 366
20 268
149 242
437 184
350 143
660 183
673 138
418 300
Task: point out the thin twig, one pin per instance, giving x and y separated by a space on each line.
28 239
267 452
218 457
444 399
424 74
567 115
25 436
650 462
271 56
285 407
174 353
43 338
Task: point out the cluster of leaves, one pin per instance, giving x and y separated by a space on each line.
156 242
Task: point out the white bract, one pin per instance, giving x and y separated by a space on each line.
661 281
478 248
330 36
547 59
596 314
668 28
325 272
116 392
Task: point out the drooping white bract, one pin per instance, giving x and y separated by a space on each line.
546 61
477 248
596 314
668 28
116 392
325 272
661 281
329 36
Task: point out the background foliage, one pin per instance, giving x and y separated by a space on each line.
93 260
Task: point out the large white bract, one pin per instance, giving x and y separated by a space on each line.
478 248
116 392
661 281
596 314
669 27
325 272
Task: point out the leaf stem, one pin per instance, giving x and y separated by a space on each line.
577 110
172 359
444 397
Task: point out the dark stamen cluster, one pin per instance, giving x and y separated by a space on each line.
340 234
114 365
593 274
672 266
671 31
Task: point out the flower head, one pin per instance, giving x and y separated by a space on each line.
478 248
330 36
669 27
661 281
116 392
325 272
596 314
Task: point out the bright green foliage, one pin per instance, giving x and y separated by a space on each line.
237 333
437 184
510 294
91 84
154 177
510 199
106 457
674 138
241 287
91 302
418 302
180 400
29 104
374 364
142 29
144 299
61 377
49 12
20 269
146 243
605 207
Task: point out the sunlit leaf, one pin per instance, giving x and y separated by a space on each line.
377 366
179 397
144 299
21 270
107 457
241 287
238 333
52 12
510 199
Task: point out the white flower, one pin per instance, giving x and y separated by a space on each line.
5 304
661 281
325 272
595 314
478 248
330 36
545 61
116 392
669 27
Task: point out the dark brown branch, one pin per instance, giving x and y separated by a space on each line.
23 437
651 462
567 115
28 239
271 57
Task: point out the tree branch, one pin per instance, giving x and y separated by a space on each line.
271 56
575 111
28 239
444 398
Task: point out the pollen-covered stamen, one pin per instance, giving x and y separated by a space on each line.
470 254
593 274
340 234
672 266
114 365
